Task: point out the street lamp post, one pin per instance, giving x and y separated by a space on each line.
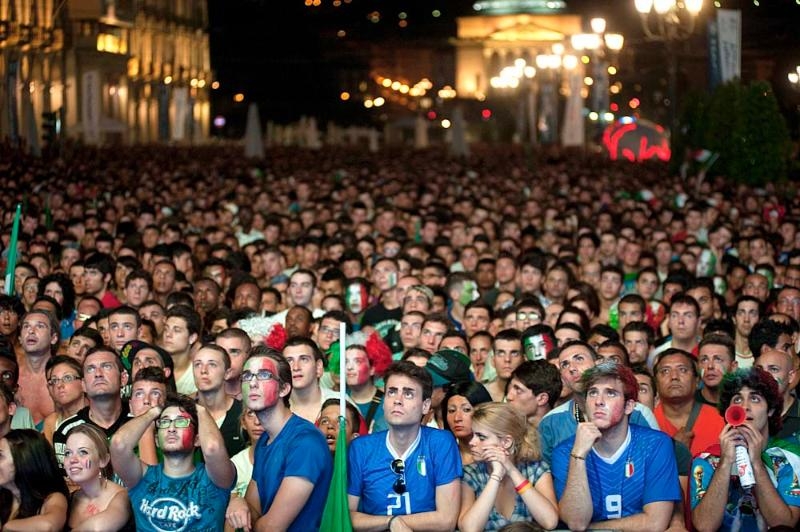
670 22
521 76
602 47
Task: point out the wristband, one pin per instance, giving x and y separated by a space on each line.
577 457
522 486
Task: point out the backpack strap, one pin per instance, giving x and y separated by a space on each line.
373 407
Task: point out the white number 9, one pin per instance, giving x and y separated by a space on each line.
613 506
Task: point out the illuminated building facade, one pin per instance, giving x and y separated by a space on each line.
114 71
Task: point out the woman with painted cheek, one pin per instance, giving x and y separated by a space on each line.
98 504
508 481
357 367
33 494
458 406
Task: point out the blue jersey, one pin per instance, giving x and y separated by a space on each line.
178 504
432 460
560 423
299 450
642 471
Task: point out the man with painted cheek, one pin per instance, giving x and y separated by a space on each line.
574 359
292 463
176 494
538 341
604 474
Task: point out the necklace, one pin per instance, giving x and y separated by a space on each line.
576 412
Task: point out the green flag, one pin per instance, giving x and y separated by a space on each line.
11 261
336 516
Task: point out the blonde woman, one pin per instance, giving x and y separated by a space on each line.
98 504
508 481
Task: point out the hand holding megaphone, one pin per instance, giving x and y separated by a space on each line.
736 416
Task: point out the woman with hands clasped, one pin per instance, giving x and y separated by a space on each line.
508 481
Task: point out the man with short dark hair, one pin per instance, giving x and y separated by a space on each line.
716 357
678 412
237 344
409 477
138 286
614 474
104 376
182 328
534 388
123 326
507 356
98 273
210 366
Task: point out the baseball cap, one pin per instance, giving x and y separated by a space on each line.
448 366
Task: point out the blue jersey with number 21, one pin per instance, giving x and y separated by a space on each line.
433 461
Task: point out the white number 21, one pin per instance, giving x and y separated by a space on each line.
402 502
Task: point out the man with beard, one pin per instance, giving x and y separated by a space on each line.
176 494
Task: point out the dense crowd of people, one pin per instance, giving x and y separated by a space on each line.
532 341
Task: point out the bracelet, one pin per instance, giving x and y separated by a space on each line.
494 477
522 486
577 457
392 518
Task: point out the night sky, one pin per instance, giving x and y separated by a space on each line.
285 55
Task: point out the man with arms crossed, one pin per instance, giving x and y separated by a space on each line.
406 478
613 474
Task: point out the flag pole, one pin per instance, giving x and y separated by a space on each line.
11 261
342 370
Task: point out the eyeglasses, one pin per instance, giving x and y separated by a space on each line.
261 375
66 379
522 316
329 331
179 422
399 469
